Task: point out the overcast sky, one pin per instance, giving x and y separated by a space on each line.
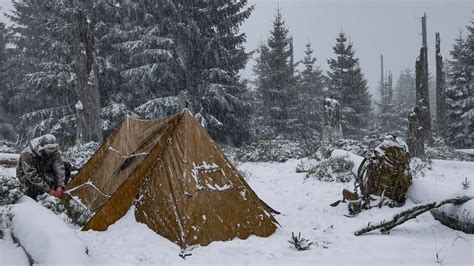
388 27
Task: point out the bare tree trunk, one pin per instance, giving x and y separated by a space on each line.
441 127
417 133
422 89
416 140
86 86
422 94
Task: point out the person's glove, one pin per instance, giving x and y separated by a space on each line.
59 192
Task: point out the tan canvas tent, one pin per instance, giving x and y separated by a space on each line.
181 184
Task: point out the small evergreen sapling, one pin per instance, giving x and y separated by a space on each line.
466 184
299 242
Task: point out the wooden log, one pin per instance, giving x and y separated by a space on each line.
411 213
461 223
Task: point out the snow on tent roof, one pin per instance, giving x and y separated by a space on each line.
182 185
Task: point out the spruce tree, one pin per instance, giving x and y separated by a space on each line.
387 117
143 50
260 107
110 19
46 45
42 58
4 36
459 94
211 54
348 85
404 100
7 123
52 77
310 99
275 74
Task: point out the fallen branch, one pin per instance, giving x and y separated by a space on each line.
409 214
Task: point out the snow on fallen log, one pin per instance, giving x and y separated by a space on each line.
409 214
440 183
459 217
44 236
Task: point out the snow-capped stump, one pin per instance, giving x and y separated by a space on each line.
46 238
332 120
386 172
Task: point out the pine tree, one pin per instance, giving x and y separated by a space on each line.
4 36
274 71
46 43
404 100
348 85
211 53
387 117
261 70
7 123
110 19
459 94
42 38
310 99
261 110
143 50
40 57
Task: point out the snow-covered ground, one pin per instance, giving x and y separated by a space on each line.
9 156
10 171
304 206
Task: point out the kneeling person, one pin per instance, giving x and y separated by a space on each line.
41 168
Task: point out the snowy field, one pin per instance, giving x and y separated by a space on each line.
304 206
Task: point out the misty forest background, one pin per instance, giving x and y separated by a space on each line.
64 64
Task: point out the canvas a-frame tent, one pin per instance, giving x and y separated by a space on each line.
181 184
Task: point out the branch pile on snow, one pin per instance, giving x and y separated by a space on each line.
44 236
